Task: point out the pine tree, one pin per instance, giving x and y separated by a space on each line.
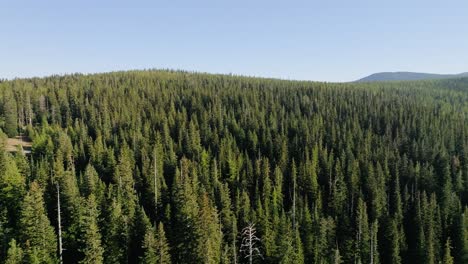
12 189
156 248
448 259
91 183
325 229
277 195
186 219
338 191
337 257
397 209
391 249
69 205
228 221
11 115
290 246
5 231
116 236
353 182
37 235
123 178
374 253
284 244
293 192
307 235
138 229
460 237
91 240
209 232
15 253
376 185
149 244
362 234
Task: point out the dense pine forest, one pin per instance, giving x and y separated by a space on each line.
178 167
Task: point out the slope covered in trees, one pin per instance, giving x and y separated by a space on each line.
408 76
171 167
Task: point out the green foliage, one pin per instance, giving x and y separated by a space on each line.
156 247
36 233
12 189
209 232
448 259
328 173
91 237
116 236
15 253
10 115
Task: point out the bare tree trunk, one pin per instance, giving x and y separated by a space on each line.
371 248
21 118
249 241
29 112
294 203
358 241
120 186
155 186
250 249
235 252
59 224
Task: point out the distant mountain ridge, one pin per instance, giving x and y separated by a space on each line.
408 76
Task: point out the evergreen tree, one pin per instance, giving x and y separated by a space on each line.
186 216
460 238
124 181
12 189
15 253
156 248
209 232
91 240
116 236
138 229
37 235
362 254
337 257
307 235
91 183
374 253
339 190
391 252
448 259
290 246
10 115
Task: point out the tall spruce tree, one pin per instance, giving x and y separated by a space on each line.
448 259
91 237
156 248
10 114
15 253
37 235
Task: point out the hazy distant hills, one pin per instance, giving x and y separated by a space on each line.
408 76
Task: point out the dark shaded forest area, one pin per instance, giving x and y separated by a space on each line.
171 167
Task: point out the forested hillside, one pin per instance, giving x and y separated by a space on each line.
409 76
171 167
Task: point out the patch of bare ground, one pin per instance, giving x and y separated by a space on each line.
11 144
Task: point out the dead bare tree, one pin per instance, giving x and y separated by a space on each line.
155 185
249 241
59 222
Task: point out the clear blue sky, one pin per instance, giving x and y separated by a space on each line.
313 40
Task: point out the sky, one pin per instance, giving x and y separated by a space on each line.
307 40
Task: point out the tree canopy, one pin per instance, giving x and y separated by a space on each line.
170 167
